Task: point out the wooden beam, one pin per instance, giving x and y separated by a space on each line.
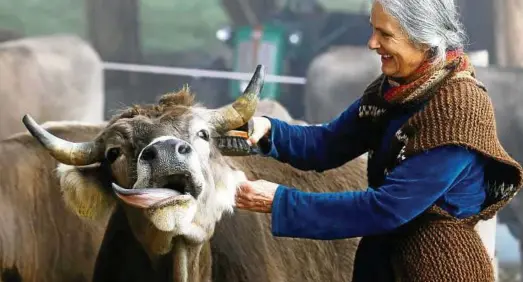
508 24
113 29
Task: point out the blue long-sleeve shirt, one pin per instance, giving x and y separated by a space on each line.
450 176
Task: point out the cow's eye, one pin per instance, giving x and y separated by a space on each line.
112 154
204 134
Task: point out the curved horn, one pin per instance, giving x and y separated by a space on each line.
240 112
63 151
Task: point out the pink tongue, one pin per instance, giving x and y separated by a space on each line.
144 198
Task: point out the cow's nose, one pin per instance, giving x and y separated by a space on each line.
171 147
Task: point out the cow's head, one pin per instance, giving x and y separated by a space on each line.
160 163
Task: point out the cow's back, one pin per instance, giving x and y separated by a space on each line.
335 79
245 250
40 239
51 78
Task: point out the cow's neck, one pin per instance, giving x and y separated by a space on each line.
190 262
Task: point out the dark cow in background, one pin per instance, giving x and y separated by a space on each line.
170 219
50 77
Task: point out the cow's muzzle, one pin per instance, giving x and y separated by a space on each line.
167 163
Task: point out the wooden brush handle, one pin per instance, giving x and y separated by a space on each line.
237 133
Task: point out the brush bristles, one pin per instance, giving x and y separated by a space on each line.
233 146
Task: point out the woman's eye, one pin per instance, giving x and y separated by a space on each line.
386 35
204 134
112 154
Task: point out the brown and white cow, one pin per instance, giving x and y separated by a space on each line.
157 170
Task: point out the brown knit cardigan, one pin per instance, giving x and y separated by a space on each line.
437 246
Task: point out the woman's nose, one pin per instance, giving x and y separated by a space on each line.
373 43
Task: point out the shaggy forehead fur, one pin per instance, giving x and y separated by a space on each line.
139 124
173 104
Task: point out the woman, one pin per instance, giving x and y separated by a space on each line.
435 165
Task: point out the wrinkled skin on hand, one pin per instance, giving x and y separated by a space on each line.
256 196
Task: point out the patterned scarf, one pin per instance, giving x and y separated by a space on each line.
427 75
386 95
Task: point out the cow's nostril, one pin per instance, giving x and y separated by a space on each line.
184 149
149 153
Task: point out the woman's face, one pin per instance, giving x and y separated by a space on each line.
399 56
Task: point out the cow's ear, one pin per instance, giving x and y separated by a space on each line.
85 192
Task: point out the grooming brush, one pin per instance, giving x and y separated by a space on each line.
234 142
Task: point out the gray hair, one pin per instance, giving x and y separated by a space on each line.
434 23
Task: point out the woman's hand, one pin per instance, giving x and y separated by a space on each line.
256 196
261 127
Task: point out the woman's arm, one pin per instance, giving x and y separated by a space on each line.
409 189
319 147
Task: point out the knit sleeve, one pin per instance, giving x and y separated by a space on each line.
408 190
319 147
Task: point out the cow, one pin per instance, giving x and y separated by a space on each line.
57 77
40 239
273 108
159 174
335 79
54 78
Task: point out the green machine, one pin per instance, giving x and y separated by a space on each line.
258 45
275 43
286 41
